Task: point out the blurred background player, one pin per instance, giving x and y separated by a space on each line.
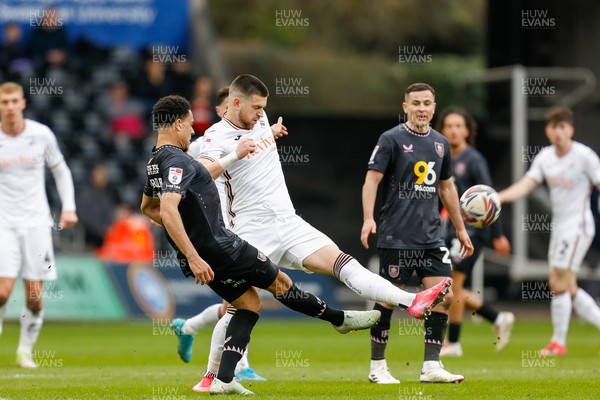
469 168
413 161
257 196
26 147
569 168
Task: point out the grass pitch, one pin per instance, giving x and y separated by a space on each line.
303 359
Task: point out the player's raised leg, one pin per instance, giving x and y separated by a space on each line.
503 321
329 260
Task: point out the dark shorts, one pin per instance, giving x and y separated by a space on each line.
397 266
252 268
464 265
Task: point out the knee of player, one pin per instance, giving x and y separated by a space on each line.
34 305
282 284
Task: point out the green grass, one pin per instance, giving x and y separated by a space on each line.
137 361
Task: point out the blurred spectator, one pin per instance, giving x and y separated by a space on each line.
202 108
95 206
180 79
151 83
48 43
13 51
125 115
129 239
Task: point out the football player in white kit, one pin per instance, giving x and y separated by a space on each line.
569 168
259 209
26 147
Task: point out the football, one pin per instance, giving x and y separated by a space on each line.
480 206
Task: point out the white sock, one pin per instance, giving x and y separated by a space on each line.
243 363
586 308
216 343
560 310
30 330
377 364
372 286
2 314
206 318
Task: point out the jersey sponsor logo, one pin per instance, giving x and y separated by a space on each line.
439 148
407 149
425 173
265 143
372 159
393 271
152 169
175 175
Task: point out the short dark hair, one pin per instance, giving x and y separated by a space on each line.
249 85
470 122
418 87
559 114
168 109
222 94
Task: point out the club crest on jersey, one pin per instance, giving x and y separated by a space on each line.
175 175
407 149
439 149
393 271
261 256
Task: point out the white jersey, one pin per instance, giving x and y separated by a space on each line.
194 151
570 179
23 201
255 185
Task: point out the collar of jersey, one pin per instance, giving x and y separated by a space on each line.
166 145
416 133
237 128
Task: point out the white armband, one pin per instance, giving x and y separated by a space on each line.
228 160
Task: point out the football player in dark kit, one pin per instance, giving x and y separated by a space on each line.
412 161
180 195
469 168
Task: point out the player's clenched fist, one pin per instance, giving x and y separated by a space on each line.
245 147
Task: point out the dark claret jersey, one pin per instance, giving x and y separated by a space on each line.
469 168
171 170
413 165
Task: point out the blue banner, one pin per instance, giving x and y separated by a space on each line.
134 23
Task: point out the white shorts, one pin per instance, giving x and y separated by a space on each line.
287 240
567 252
29 251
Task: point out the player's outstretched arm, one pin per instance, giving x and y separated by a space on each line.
217 167
518 190
369 195
449 197
151 208
171 219
278 129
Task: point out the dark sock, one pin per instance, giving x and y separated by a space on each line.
453 332
309 304
487 312
380 333
236 342
435 328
